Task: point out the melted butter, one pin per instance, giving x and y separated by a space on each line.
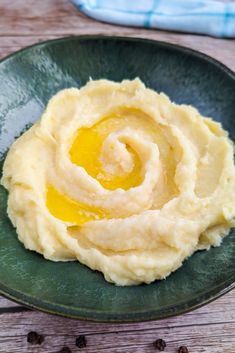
68 210
86 150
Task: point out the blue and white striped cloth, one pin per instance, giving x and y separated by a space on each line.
215 18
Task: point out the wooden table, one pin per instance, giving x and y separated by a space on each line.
210 329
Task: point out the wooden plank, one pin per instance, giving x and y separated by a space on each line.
5 303
52 19
198 334
209 329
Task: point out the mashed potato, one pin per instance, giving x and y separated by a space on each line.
122 179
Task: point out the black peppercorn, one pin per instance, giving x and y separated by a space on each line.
159 344
65 350
34 338
81 341
183 349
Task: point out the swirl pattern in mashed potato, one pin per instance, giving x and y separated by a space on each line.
122 179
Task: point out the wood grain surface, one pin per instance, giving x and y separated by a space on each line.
210 329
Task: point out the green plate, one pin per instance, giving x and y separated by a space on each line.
27 81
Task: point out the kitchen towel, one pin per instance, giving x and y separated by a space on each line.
215 18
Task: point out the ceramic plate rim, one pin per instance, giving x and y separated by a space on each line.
135 316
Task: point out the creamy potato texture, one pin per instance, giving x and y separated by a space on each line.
122 179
